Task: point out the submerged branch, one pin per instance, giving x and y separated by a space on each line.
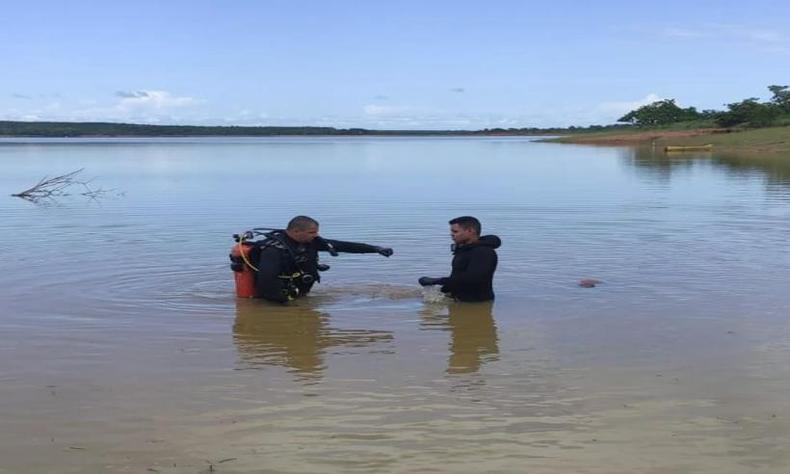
48 188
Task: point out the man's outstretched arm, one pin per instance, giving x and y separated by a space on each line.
327 245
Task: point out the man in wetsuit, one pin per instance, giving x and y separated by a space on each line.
474 262
288 260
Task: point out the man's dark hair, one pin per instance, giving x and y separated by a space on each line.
468 222
301 223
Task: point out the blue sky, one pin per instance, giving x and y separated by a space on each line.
375 64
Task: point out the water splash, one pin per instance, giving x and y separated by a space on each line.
434 295
371 291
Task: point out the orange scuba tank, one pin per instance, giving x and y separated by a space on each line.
243 272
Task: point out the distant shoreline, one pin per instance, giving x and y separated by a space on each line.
17 129
772 139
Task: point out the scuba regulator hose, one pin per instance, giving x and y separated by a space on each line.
243 254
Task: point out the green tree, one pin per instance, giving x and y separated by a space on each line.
662 112
781 98
749 112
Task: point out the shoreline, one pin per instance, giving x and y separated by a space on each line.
764 140
760 140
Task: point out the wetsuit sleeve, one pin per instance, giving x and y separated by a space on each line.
346 247
481 265
267 284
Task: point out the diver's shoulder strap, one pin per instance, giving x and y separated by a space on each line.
277 240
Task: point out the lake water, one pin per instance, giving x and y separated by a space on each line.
123 348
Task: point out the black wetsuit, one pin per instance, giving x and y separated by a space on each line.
283 262
472 275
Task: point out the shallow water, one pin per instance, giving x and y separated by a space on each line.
122 348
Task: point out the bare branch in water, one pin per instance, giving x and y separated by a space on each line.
48 188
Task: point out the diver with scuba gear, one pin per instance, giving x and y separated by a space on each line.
286 262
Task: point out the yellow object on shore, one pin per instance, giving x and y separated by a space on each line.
689 148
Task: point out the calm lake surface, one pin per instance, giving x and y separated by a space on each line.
123 348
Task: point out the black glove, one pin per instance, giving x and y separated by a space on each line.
428 281
386 251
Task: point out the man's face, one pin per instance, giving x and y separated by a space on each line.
304 236
462 236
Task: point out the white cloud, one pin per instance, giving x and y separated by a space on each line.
142 106
390 110
619 108
149 99
764 39
675 32
163 107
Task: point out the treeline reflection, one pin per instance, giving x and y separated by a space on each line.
657 164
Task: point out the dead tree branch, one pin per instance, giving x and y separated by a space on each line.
49 188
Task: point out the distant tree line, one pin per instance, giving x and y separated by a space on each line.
109 129
746 113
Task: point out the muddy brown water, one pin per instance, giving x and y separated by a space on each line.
122 348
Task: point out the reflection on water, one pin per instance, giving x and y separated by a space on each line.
775 167
296 337
657 164
473 334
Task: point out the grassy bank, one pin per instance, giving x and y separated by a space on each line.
772 139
